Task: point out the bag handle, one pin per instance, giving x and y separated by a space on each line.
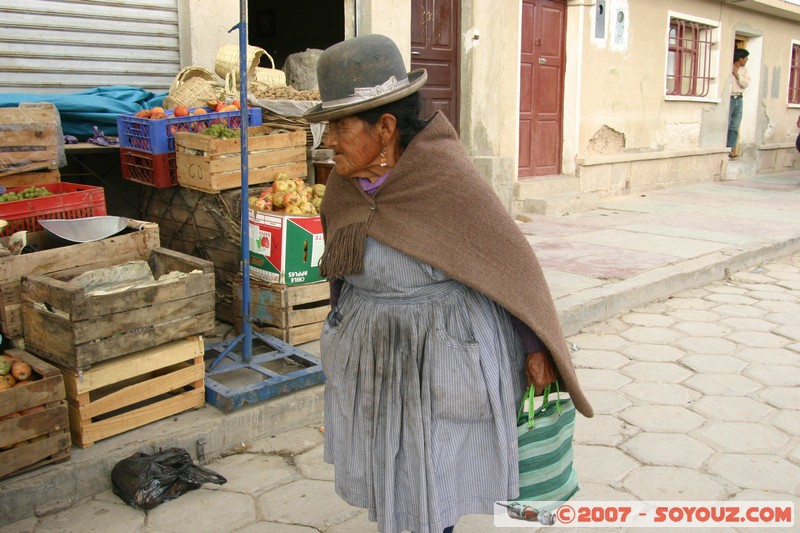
529 399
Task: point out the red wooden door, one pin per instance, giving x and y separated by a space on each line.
434 46
541 87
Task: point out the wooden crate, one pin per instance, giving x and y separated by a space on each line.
31 179
135 390
28 138
295 314
204 225
40 436
76 328
212 165
63 259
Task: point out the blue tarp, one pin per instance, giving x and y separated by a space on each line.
93 107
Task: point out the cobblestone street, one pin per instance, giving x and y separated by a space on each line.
696 398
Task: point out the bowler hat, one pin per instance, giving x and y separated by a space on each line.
362 73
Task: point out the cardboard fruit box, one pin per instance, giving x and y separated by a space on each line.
209 164
34 426
58 258
77 325
285 249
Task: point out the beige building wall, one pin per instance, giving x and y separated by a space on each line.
624 134
204 28
620 133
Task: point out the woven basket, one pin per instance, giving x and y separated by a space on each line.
227 60
194 92
192 72
227 63
270 76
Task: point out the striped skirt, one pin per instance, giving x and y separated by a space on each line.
424 376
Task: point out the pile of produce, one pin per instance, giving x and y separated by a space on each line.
221 131
14 372
290 196
158 112
24 194
282 92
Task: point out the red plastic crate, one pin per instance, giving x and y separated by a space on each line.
69 200
158 136
156 170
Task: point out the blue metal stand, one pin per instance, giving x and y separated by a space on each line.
274 368
282 367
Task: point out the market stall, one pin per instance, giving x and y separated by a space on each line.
207 182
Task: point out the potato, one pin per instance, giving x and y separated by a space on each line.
21 371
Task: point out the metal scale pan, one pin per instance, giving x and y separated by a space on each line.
85 229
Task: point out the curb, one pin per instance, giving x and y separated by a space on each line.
600 303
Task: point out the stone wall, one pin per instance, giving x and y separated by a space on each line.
626 173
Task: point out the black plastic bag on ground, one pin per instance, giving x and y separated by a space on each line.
145 481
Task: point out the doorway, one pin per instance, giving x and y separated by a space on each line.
542 59
739 41
284 27
435 38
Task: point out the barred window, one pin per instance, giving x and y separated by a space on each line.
794 75
689 58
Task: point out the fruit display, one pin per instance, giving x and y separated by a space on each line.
24 194
221 131
24 413
15 373
158 112
291 196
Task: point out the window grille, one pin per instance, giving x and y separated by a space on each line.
794 76
689 58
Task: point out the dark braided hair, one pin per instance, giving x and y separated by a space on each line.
406 111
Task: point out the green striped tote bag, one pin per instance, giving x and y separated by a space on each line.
546 472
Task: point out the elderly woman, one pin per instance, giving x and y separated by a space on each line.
440 312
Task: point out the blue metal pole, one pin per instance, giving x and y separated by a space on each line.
247 328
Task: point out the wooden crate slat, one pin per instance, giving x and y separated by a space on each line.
10 116
143 362
258 138
87 435
143 391
85 355
31 179
54 448
292 313
255 160
293 335
307 316
29 426
212 165
37 437
198 178
87 331
135 390
48 389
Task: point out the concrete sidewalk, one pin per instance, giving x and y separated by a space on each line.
625 254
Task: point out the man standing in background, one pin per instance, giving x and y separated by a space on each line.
739 82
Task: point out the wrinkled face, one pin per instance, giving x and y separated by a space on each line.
356 146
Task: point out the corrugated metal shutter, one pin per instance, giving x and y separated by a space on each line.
59 46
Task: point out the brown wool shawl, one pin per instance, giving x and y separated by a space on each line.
434 206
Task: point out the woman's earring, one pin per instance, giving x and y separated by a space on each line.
383 156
